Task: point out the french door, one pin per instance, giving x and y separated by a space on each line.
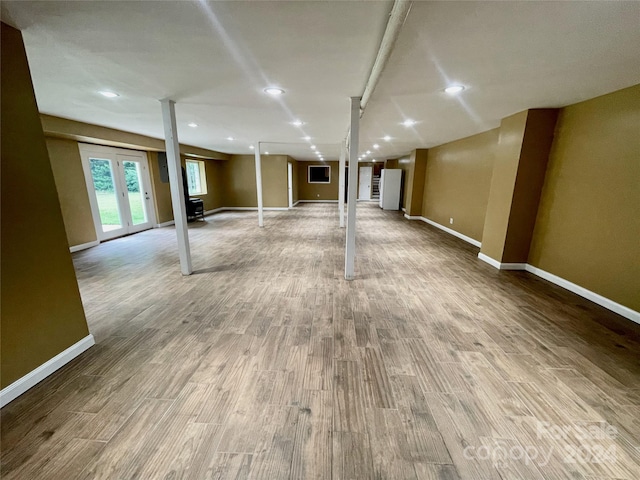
119 189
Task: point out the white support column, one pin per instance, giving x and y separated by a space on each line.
350 247
259 184
175 182
341 167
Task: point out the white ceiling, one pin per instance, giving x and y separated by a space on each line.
215 58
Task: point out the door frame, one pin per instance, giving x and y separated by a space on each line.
88 150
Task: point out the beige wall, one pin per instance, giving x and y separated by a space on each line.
42 314
588 222
66 164
457 181
317 191
239 185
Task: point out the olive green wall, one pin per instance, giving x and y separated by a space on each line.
414 182
532 168
317 191
588 222
505 171
239 185
161 191
42 313
66 164
522 153
275 184
89 133
296 180
457 181
214 173
404 163
214 176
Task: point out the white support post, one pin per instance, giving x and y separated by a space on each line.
350 247
259 184
175 182
341 167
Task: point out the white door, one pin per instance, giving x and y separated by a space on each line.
119 189
364 188
290 183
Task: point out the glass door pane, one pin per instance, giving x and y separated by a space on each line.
106 193
135 192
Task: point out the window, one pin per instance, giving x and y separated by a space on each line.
196 177
319 174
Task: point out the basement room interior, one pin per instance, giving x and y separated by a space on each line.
320 240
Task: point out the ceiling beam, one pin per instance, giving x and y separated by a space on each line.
397 17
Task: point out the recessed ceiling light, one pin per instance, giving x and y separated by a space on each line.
313 147
409 123
306 138
297 123
251 147
230 139
386 138
274 91
376 146
192 124
368 152
374 160
266 153
453 89
109 94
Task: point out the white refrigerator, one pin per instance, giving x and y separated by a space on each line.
390 184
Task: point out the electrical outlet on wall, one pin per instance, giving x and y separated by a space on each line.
451 221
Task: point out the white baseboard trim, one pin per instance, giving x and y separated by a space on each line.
566 284
318 201
296 203
165 224
489 260
254 209
84 246
214 211
32 378
470 240
226 209
501 266
404 210
588 294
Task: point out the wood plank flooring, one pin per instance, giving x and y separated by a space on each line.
267 364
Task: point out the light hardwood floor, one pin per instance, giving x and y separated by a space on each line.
267 364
